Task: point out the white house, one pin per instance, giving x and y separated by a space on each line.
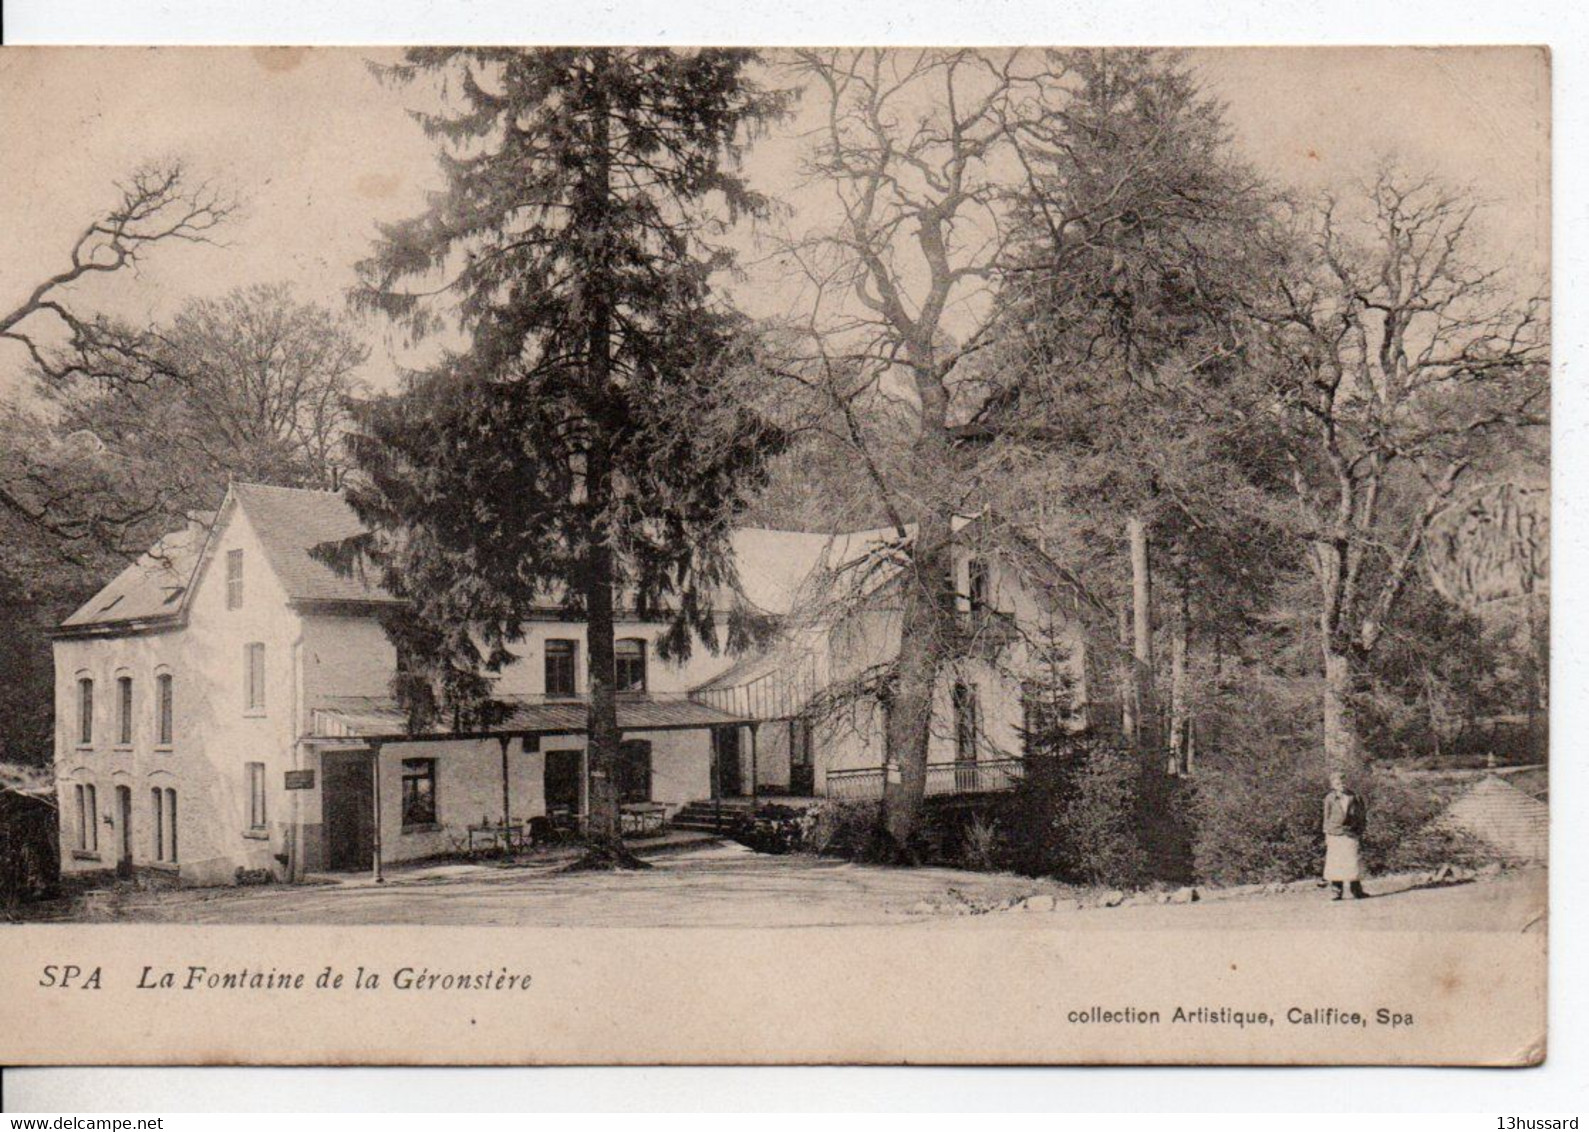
225 703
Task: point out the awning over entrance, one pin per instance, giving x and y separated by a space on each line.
778 683
380 718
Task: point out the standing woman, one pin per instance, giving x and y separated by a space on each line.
1345 819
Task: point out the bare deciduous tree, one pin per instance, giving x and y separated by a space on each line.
915 151
160 203
1398 365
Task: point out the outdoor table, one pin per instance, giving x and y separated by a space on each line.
642 817
510 836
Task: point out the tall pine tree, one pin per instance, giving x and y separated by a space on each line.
1120 362
578 449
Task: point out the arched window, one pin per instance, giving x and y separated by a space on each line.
629 662
87 818
124 711
85 711
163 729
163 802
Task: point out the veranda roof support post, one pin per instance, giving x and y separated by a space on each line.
755 798
375 792
718 755
507 844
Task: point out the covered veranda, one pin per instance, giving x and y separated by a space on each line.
505 774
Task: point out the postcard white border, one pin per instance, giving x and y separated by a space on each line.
1563 1084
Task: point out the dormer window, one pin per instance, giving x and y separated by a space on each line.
234 579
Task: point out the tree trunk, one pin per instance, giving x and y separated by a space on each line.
928 623
602 735
1125 671
1147 731
605 835
1537 671
926 630
1180 710
1341 750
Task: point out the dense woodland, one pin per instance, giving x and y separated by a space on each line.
1292 451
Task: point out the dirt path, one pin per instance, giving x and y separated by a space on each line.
729 886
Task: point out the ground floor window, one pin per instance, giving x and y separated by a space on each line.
419 792
87 818
256 796
163 804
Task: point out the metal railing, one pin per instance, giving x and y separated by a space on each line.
862 783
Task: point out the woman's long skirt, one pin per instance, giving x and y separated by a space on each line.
1340 858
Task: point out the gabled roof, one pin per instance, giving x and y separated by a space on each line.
289 523
152 590
1505 817
780 572
155 591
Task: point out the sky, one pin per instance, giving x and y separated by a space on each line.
320 152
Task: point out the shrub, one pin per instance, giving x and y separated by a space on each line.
29 849
1078 815
1259 820
982 845
840 829
773 829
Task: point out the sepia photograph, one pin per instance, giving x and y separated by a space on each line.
696 546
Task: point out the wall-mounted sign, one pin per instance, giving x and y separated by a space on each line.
300 780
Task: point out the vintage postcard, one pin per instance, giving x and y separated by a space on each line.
659 555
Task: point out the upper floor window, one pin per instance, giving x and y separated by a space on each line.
977 588
254 676
629 662
124 710
966 723
234 579
256 796
560 657
163 706
85 711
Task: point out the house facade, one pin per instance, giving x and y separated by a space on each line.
225 703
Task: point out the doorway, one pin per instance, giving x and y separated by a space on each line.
561 782
348 800
728 778
124 824
802 767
